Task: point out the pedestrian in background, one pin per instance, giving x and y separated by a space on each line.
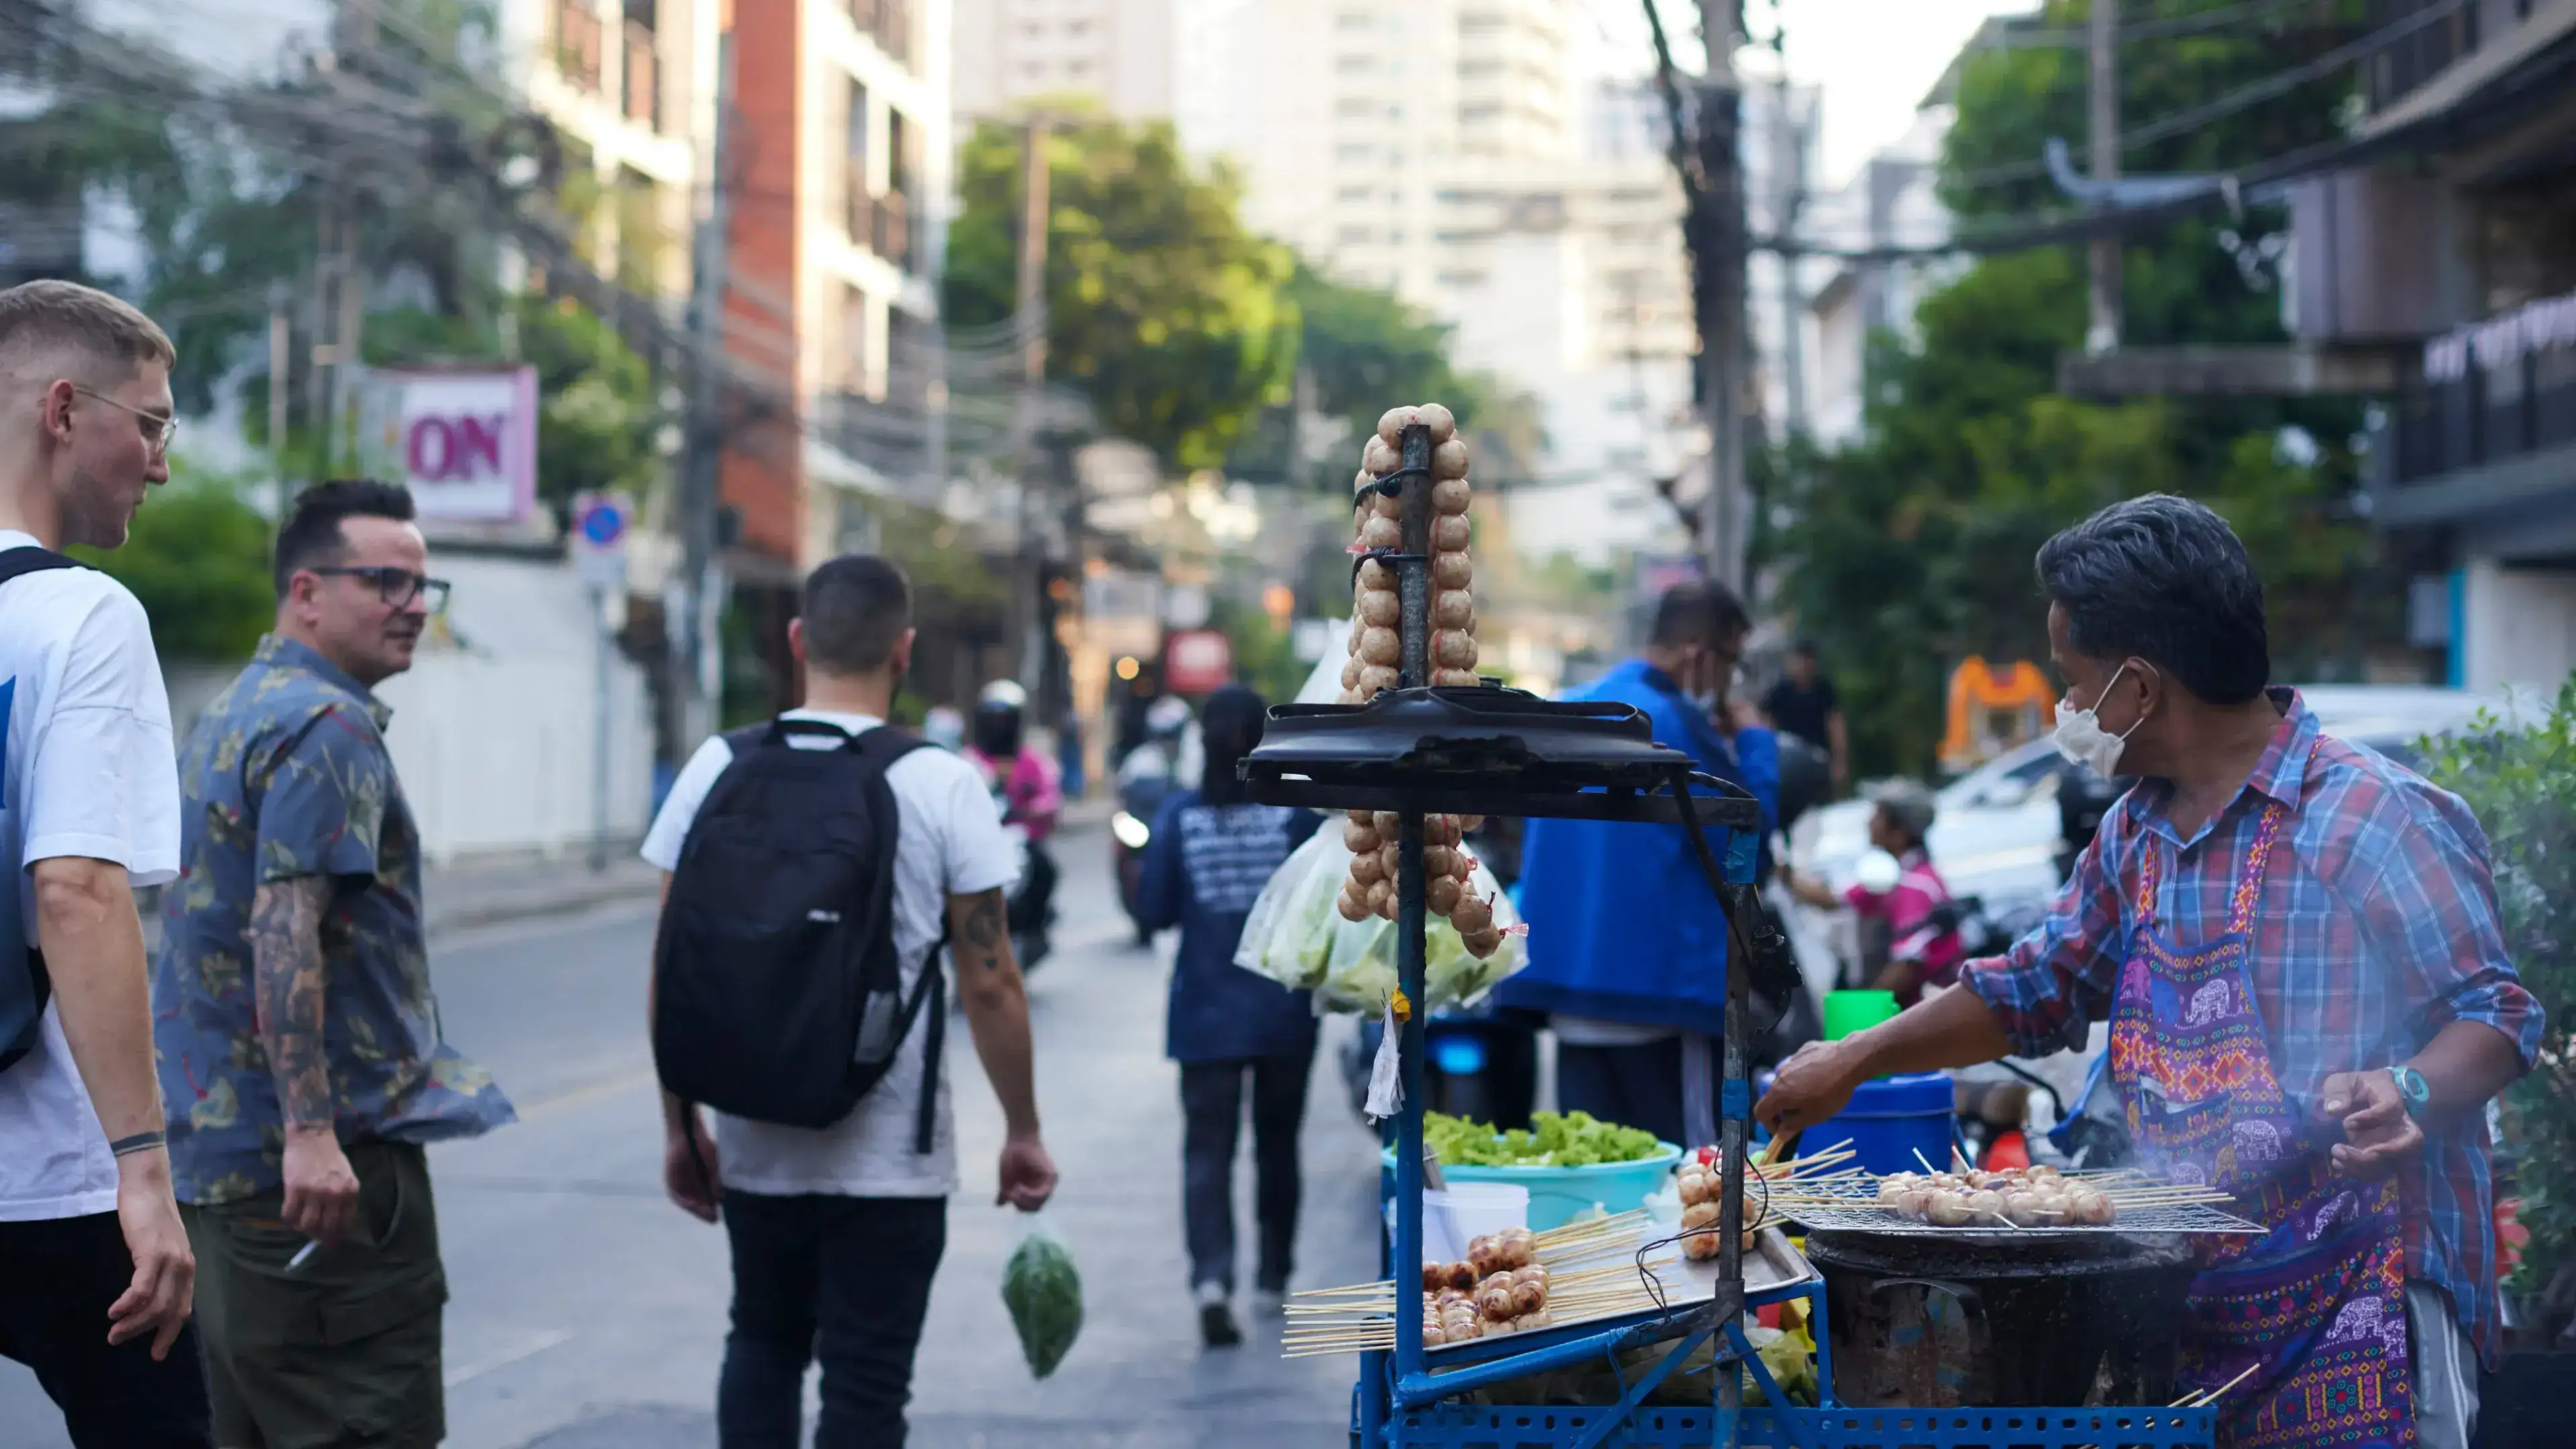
1803 703
1919 955
835 1233
95 1269
1211 853
298 1034
1628 946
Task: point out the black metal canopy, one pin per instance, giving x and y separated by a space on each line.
1487 751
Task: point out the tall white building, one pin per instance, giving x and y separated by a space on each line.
1350 119
1123 55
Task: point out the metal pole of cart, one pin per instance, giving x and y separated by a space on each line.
1413 592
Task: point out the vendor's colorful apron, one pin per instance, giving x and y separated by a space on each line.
2317 1306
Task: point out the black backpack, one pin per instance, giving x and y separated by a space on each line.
778 995
24 986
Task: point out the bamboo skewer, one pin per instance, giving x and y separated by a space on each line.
2204 1400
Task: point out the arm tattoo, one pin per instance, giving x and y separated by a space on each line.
985 928
286 962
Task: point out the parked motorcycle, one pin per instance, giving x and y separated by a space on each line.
2083 799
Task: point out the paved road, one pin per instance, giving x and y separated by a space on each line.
588 1313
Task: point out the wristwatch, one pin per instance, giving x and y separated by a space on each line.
2412 1087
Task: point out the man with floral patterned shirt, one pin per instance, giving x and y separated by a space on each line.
298 1037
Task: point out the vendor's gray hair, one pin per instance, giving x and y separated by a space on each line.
2166 580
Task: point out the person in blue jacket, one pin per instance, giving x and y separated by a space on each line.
1211 853
1627 943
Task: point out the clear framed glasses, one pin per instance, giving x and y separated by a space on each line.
158 428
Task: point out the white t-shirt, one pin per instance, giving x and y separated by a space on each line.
950 843
88 772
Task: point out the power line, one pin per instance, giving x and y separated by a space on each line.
2252 94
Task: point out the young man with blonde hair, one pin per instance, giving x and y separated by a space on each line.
95 1271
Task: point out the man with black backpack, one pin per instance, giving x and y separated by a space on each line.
815 867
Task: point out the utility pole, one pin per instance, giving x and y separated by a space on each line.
1789 165
2102 333
1036 208
1718 261
281 368
692 625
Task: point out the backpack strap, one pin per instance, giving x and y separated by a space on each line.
17 563
30 560
931 992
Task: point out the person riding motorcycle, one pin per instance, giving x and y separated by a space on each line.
1023 781
1164 761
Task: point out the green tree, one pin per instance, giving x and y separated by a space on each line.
1162 309
1366 351
1911 548
197 558
2521 782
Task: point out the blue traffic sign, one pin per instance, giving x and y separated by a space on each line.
602 523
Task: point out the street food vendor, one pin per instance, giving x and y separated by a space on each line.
2295 944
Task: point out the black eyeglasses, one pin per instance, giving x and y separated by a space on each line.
397 587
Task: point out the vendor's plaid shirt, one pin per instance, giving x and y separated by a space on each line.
2376 927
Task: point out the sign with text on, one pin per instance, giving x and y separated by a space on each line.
1197 661
463 440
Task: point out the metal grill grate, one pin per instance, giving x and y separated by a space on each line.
1854 1208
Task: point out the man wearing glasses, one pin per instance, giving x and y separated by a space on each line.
299 1045
95 1268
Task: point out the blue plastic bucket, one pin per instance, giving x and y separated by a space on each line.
1889 1120
1559 1195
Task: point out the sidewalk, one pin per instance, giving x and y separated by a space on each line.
482 893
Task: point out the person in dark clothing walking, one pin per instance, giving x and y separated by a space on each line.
1804 704
1212 851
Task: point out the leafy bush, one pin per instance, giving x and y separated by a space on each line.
197 558
2521 781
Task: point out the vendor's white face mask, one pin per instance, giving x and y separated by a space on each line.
2080 737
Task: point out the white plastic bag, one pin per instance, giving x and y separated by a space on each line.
1289 933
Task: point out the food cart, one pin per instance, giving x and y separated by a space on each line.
1419 751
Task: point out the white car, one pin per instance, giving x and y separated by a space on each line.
1996 833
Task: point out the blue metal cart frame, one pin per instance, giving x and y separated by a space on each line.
1399 1401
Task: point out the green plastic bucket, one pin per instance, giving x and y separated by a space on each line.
1847 1012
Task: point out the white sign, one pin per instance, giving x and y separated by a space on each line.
1185 606
463 441
1312 639
599 526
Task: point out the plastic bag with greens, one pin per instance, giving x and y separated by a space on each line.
1288 937
1360 973
1044 1293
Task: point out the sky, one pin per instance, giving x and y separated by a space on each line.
1874 58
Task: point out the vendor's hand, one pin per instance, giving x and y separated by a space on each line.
1816 1082
1028 1173
1741 714
2380 1135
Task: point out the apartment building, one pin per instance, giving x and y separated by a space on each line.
2453 244
840 154
1123 55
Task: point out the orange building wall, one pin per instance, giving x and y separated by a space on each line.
763 475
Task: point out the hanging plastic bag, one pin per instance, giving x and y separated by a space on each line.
1043 1290
1360 973
1289 934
